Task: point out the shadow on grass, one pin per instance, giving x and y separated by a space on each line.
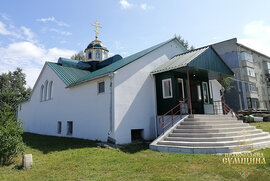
48 144
134 147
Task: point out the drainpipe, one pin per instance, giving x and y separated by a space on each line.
155 104
189 94
111 136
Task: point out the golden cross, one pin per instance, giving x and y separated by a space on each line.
97 26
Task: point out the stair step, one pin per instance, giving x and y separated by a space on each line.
210 119
215 130
210 135
215 139
209 122
212 144
236 125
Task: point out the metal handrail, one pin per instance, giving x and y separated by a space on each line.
173 114
225 108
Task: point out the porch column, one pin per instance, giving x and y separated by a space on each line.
189 94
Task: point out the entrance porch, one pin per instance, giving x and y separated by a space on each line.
190 81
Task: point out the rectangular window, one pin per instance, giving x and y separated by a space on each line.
167 88
247 56
205 92
69 128
249 72
101 87
59 127
199 92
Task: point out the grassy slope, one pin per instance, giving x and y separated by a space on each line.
72 159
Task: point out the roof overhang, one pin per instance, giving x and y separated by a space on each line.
205 58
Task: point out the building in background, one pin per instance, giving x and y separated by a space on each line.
251 80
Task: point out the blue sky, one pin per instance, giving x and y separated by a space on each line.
35 31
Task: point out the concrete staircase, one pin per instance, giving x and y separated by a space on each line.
211 134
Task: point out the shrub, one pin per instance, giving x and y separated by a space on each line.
11 143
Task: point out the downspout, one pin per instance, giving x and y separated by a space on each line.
111 136
155 104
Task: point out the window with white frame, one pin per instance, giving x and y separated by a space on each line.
250 72
205 92
167 88
247 56
101 87
181 89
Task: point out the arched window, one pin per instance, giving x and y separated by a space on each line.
90 55
98 54
105 55
50 90
45 91
41 92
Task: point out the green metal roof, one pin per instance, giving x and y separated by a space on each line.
69 75
123 62
23 100
74 63
204 58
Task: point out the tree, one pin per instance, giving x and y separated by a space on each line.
78 56
226 82
184 42
11 142
12 89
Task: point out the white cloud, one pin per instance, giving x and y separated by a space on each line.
30 57
65 33
53 19
26 52
29 35
125 4
3 29
257 36
145 6
54 53
11 30
5 17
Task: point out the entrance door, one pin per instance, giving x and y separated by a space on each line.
181 90
196 97
181 95
208 107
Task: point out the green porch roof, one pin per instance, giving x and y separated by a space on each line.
23 100
69 75
204 58
123 62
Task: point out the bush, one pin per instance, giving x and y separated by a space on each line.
11 143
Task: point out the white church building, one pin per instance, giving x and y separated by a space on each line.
119 99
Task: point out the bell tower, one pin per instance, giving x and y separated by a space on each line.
96 51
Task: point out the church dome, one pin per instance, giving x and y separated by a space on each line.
96 44
96 51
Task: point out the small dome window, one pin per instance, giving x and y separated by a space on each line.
90 55
98 54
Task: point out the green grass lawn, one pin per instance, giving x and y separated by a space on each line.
74 159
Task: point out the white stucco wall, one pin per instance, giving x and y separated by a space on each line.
134 94
88 110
